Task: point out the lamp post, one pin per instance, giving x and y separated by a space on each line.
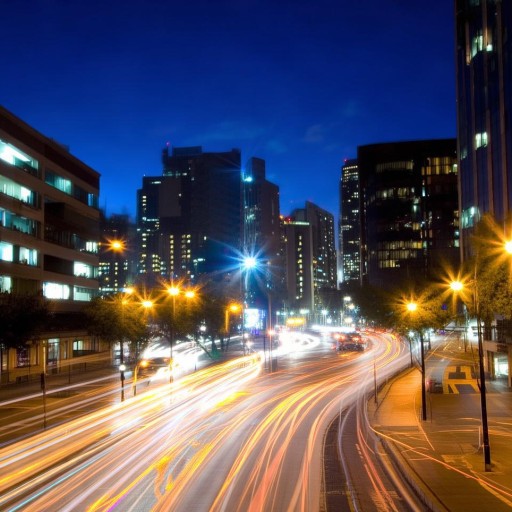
249 263
232 308
412 307
124 301
458 286
122 368
174 292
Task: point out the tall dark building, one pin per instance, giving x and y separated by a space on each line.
189 219
262 233
484 110
349 223
409 213
117 253
298 263
323 247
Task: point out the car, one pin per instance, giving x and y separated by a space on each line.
153 366
352 341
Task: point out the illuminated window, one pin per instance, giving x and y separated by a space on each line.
84 270
14 156
480 140
27 256
6 251
56 291
83 294
5 284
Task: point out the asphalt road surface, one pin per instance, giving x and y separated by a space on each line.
230 437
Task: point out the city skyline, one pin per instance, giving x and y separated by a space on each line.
297 85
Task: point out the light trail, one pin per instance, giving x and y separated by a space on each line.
226 438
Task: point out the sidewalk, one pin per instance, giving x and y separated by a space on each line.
441 457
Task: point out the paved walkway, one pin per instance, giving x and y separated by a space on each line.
442 456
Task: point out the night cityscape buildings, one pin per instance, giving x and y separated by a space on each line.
189 219
262 238
298 256
349 227
484 111
264 431
409 210
117 253
49 233
484 137
399 214
323 247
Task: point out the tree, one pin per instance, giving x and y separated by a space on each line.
22 318
430 311
118 318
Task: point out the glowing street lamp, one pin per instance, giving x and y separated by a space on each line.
117 245
248 264
174 292
458 286
232 308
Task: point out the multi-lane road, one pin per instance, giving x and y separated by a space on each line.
232 437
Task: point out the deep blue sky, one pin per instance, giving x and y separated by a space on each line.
298 83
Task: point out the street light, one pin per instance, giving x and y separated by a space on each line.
458 286
232 308
174 292
124 301
248 263
412 307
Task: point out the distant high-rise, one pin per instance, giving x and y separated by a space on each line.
297 240
117 253
484 110
189 219
410 218
349 223
323 247
262 232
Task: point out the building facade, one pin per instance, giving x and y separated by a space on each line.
261 238
349 238
484 110
49 233
117 253
297 242
189 220
323 244
409 211
484 135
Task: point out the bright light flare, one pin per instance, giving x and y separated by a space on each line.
250 262
456 286
173 291
412 306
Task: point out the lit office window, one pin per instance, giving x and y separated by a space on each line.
56 291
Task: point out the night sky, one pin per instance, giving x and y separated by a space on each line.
298 83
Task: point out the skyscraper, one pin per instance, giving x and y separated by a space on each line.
298 256
117 253
262 233
323 246
409 219
349 223
484 110
189 219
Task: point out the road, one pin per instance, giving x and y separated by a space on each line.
230 437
